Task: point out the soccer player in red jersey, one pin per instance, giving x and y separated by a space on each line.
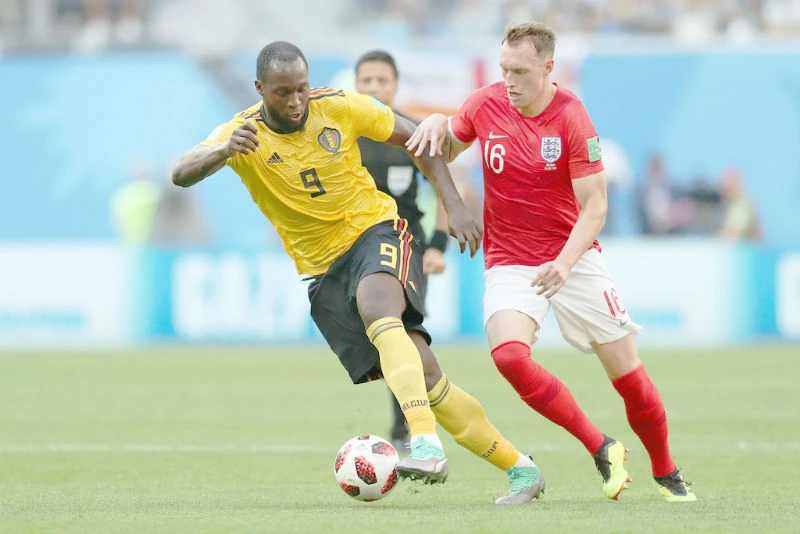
545 204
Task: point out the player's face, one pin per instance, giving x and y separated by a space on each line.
377 79
285 95
525 74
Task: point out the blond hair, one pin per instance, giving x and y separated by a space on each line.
537 34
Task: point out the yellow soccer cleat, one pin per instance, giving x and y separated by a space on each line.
674 488
609 461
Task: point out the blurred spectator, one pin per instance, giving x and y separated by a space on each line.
201 20
133 206
697 22
656 208
619 177
781 16
701 204
470 16
95 25
107 22
518 11
10 17
666 209
740 24
10 13
177 218
740 218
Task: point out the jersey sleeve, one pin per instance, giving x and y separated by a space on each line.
462 123
222 134
583 143
371 118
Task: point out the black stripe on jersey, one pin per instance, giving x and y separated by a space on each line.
253 115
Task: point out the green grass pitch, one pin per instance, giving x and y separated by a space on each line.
243 440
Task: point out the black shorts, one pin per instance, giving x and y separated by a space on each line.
422 285
383 248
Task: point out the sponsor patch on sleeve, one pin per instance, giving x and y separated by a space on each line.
593 143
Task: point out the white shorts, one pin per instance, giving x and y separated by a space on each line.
587 308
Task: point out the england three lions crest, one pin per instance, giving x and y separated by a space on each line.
551 149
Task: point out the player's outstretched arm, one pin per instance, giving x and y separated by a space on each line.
463 226
198 163
203 160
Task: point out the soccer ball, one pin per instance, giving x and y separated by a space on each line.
364 467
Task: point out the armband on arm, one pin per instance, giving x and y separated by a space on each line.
439 240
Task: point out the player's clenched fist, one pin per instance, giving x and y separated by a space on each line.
244 139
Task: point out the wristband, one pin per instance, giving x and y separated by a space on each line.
439 240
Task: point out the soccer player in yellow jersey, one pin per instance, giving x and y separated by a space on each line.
297 154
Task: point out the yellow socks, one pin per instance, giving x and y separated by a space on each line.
402 370
458 412
464 418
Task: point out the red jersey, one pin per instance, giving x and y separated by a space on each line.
528 167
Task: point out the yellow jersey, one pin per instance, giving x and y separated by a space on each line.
310 184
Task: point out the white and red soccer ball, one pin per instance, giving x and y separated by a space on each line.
365 467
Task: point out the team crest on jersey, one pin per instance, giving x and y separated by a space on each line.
330 139
551 149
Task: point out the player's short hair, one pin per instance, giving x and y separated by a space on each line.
276 52
377 55
540 36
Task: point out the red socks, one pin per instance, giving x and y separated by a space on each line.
647 417
545 393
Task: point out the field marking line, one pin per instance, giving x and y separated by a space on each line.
768 445
152 447
765 446
145 447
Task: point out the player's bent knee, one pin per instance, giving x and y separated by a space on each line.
507 356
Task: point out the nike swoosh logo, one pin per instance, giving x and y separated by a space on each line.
493 136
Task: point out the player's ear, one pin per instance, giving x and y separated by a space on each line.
548 66
259 88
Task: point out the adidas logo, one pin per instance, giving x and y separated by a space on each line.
274 158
